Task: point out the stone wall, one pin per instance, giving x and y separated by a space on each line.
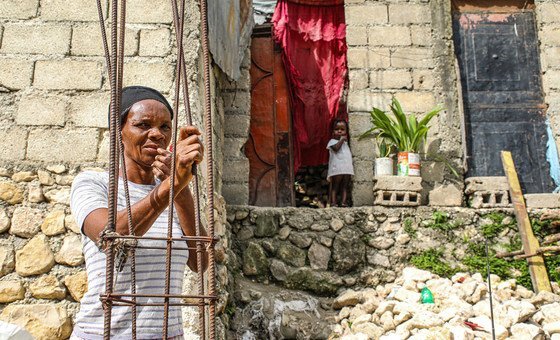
287 262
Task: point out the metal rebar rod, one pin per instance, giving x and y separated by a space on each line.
111 219
162 296
207 239
210 161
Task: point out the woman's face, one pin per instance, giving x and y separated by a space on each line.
147 127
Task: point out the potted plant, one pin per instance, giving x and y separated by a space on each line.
383 163
407 134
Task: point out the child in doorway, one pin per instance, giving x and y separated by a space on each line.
340 163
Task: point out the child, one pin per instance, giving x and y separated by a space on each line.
340 163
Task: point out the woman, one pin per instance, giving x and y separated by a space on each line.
146 132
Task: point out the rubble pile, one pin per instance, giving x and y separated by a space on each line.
461 310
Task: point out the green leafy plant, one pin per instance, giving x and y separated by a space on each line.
383 147
407 134
408 228
440 221
497 225
431 260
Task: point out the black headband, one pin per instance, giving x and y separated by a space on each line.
133 94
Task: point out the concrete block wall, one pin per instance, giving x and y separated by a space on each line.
237 116
401 49
548 25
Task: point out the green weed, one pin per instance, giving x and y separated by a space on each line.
408 228
431 260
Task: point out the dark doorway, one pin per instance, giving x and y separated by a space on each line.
502 93
269 147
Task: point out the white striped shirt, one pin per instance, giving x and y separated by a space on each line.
90 192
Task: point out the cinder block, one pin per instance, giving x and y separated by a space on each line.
159 11
398 183
358 79
366 14
90 110
15 74
18 9
237 125
86 40
397 198
551 57
239 102
67 75
389 36
71 10
416 101
357 58
446 196
421 35
550 201
390 79
362 195
236 193
13 144
547 12
363 171
79 145
363 101
551 79
155 43
158 75
356 35
237 171
358 123
490 199
490 183
411 57
549 35
41 110
103 152
233 148
409 13
379 58
423 80
36 39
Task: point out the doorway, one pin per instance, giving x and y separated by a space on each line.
497 51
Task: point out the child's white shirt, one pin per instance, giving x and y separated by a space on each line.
340 162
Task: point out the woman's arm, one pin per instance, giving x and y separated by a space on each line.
184 204
144 214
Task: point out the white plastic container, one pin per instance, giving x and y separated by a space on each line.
384 166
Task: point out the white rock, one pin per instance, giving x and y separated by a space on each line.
551 312
348 298
448 313
524 331
387 322
544 298
407 295
555 336
57 169
71 251
357 336
385 306
361 319
368 328
26 222
61 196
4 221
461 333
486 324
411 273
552 327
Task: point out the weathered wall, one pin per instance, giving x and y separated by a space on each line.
401 49
548 24
237 107
54 93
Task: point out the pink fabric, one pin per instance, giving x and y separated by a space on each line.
313 39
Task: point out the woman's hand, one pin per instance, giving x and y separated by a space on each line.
189 151
162 165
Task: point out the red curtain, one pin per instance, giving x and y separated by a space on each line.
313 39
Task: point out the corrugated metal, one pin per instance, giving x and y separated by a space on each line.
230 25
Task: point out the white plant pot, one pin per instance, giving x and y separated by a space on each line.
408 164
384 166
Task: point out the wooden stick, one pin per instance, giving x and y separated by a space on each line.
540 251
537 269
